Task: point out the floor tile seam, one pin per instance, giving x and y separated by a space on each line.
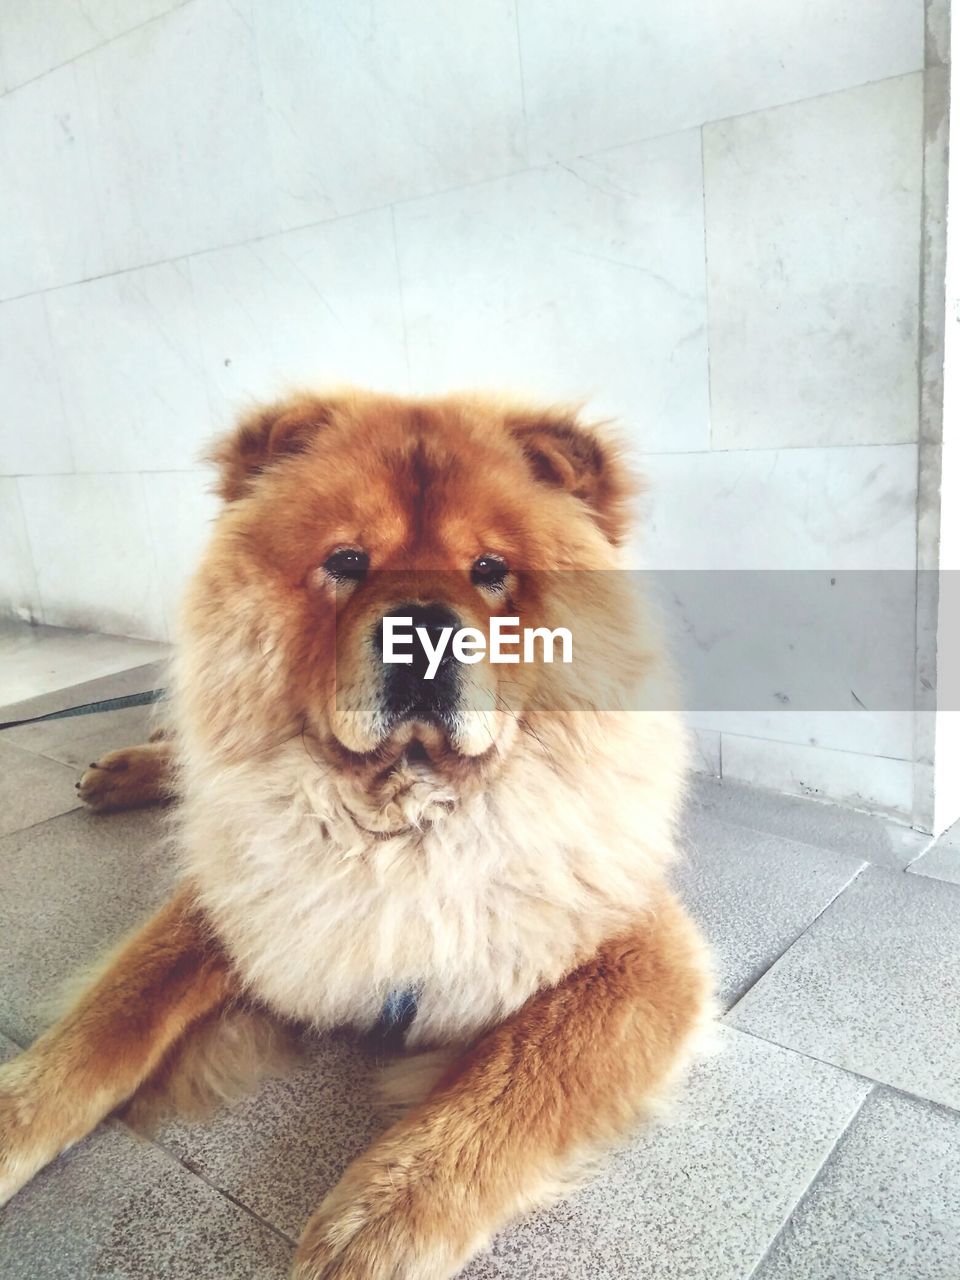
68 764
19 747
192 1171
15 1040
54 817
802 934
41 755
942 1108
923 852
45 755
802 844
876 1082
841 1137
186 1166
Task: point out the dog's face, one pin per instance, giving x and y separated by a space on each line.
351 510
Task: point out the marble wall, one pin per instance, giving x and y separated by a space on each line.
704 215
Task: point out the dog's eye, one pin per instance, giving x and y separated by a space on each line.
347 565
489 571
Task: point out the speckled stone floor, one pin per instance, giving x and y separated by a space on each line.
821 1142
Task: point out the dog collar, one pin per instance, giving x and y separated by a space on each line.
399 1010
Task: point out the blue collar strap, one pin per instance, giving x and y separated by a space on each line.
399 1010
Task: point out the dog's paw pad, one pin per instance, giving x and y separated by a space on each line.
121 779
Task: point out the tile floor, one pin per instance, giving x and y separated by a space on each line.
38 663
822 1141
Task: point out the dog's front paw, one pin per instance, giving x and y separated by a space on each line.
343 1248
126 779
366 1230
27 1141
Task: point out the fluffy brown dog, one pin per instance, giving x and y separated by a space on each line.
480 856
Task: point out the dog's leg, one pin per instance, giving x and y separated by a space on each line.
131 778
513 1120
159 984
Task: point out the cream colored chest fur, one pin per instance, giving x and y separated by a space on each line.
501 897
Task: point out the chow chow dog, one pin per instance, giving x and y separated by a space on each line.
477 861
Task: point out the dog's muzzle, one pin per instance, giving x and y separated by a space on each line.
406 691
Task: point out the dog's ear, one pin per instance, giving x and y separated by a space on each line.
263 438
564 453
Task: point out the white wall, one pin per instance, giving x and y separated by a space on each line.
947 743
704 213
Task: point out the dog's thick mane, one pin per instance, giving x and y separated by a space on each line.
476 906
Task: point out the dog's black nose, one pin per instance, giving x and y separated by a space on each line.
426 686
